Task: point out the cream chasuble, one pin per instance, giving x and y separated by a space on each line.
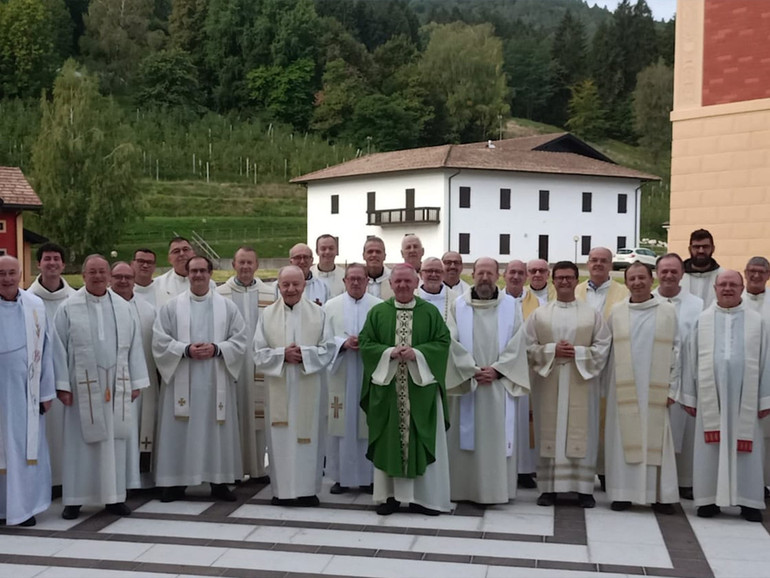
482 436
701 285
251 300
26 373
197 434
719 380
346 445
98 357
642 374
54 417
565 393
333 279
296 394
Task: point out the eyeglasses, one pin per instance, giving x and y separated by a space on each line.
536 271
144 262
563 278
301 258
432 271
448 262
123 277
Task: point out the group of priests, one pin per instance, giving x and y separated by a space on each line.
406 383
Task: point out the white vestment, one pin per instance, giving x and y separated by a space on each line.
143 432
147 293
541 294
316 291
562 473
761 305
380 287
167 286
642 482
347 443
482 435
442 300
334 279
198 436
251 301
460 288
723 475
54 417
701 285
27 378
296 462
688 308
94 472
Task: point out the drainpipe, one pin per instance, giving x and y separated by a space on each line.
449 211
637 190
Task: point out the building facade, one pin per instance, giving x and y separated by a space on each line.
16 196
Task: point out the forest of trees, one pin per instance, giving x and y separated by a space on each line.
372 75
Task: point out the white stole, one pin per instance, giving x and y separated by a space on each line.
707 387
506 318
92 418
35 337
182 374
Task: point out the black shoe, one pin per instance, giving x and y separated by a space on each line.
388 507
367 489
55 492
620 506
767 493
222 492
751 514
172 494
708 511
71 512
119 509
603 482
288 502
526 481
29 522
667 509
547 499
337 489
418 509
586 501
260 480
309 501
685 492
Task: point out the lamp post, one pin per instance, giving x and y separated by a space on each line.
576 239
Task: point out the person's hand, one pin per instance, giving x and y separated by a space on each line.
47 405
691 410
670 402
395 353
485 375
135 393
565 349
64 396
202 350
351 343
763 413
293 354
407 354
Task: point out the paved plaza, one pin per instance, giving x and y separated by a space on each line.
344 537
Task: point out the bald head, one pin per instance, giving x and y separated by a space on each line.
515 275
485 275
453 266
412 251
10 274
291 284
96 273
122 280
301 256
432 275
537 271
728 287
599 264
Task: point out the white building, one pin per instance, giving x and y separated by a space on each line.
549 196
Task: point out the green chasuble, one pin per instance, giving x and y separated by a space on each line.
381 403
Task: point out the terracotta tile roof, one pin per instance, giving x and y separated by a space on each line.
15 191
516 155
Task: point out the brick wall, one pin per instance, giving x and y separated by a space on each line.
736 51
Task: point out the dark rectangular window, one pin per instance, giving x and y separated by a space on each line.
545 200
622 203
465 243
370 202
465 197
409 205
621 243
542 247
335 204
587 202
505 244
505 198
585 244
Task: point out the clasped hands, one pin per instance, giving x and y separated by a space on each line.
351 343
293 354
201 350
403 353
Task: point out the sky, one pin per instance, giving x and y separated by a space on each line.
661 9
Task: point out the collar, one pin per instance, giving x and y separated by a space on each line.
475 295
253 281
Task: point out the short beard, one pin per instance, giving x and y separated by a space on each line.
485 290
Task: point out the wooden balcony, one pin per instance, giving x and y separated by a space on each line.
416 216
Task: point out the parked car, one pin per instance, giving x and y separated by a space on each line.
625 257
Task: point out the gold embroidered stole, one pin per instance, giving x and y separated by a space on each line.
708 394
629 416
310 334
577 418
403 337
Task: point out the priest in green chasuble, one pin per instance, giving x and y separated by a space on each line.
642 378
726 386
404 345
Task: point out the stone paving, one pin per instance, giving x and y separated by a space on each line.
344 537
